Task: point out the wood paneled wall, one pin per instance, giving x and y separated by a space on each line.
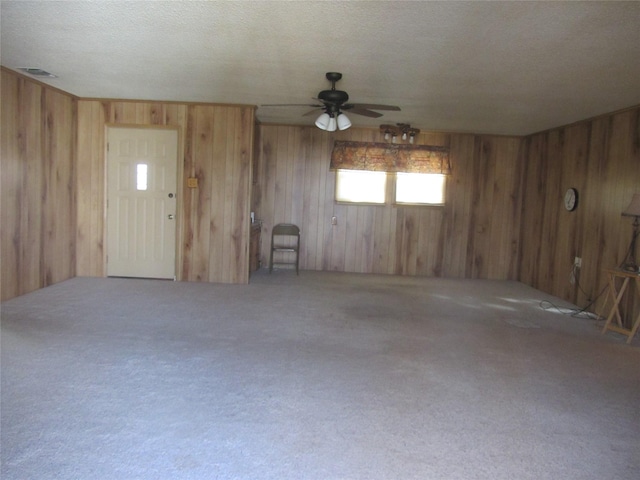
215 146
216 233
503 217
475 235
601 158
37 217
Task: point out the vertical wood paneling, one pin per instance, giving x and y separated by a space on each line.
206 148
225 209
325 208
11 181
59 188
243 153
310 206
601 158
462 238
503 216
327 189
38 186
32 156
90 257
215 147
591 200
458 198
505 221
534 201
188 199
84 232
380 240
477 234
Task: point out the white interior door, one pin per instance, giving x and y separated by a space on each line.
141 202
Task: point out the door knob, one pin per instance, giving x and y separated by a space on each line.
170 216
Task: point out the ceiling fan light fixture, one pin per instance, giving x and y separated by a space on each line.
323 121
401 132
343 121
332 102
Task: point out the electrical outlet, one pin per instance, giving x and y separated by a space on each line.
575 271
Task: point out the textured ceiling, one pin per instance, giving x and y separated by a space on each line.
484 67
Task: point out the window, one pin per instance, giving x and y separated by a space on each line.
141 176
420 188
360 186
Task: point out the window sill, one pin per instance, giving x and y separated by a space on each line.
430 205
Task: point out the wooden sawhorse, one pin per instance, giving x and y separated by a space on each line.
616 296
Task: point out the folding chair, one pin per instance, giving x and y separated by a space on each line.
285 239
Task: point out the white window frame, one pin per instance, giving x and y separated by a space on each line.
360 197
432 192
388 191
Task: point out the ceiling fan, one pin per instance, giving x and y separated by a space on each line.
333 102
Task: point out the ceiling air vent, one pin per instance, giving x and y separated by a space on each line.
37 72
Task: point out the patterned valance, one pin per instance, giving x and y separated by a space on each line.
385 157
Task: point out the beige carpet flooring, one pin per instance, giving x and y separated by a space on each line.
322 376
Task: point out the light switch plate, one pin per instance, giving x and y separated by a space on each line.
192 182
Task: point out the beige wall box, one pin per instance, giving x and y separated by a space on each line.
192 182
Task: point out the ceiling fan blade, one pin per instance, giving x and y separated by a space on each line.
312 112
291 105
327 103
373 106
364 111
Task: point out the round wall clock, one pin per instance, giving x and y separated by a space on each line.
571 199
